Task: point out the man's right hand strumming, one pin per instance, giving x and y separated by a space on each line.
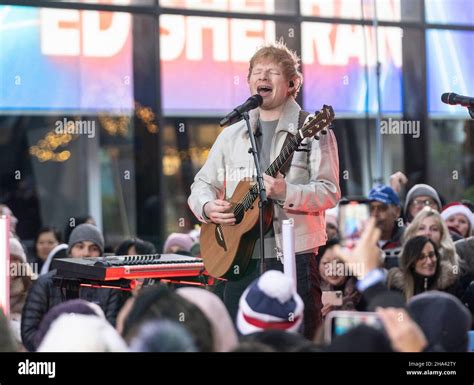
219 211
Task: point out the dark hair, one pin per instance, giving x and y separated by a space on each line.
162 336
158 303
47 229
79 220
252 347
468 204
412 251
142 247
278 340
361 339
322 249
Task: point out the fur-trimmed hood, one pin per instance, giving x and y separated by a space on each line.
448 275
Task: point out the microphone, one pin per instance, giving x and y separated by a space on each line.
251 103
453 99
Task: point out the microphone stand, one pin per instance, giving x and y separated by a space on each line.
261 189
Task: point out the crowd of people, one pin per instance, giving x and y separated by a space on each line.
413 265
417 275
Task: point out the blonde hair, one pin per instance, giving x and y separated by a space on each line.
279 53
447 250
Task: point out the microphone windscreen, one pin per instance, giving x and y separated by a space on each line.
448 98
257 100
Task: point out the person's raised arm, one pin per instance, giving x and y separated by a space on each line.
397 181
405 335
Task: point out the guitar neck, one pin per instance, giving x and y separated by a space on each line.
285 154
313 126
274 168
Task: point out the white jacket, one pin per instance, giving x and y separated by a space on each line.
312 180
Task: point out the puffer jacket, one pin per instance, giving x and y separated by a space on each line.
447 281
44 295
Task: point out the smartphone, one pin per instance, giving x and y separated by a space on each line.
332 298
353 217
339 322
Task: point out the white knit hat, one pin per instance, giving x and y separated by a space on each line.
82 333
270 302
17 249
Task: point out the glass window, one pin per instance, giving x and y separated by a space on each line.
387 10
68 118
449 11
244 6
339 64
204 62
109 2
450 160
186 144
449 57
65 60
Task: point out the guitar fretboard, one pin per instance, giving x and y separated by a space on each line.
273 169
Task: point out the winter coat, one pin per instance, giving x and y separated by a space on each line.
449 280
350 295
44 295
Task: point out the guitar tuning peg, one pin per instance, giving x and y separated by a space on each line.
324 132
316 137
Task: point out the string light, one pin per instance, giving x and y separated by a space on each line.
45 149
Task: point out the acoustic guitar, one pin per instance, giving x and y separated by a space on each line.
226 250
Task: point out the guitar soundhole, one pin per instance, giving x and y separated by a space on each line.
239 212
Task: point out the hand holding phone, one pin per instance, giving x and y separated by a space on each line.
339 322
333 298
353 217
366 253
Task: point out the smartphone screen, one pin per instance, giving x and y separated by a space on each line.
353 217
340 322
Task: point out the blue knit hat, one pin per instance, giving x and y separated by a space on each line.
384 194
270 302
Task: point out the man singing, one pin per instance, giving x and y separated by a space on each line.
310 186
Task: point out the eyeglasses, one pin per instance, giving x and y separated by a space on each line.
424 202
431 255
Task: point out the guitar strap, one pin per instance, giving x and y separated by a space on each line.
301 118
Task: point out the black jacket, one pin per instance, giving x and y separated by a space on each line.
44 295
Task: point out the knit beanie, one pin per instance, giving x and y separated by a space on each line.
270 302
86 232
419 190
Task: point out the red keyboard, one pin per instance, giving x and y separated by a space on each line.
129 267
